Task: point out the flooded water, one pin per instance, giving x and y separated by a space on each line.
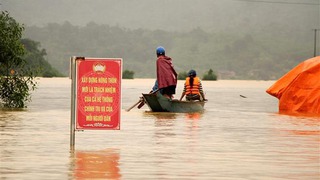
234 138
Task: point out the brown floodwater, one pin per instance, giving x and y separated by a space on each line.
240 135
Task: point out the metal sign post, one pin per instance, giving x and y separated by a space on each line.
73 97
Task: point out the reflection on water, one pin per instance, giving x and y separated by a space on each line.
302 126
298 140
102 164
234 138
162 118
161 115
193 116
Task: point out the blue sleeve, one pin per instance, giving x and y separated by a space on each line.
155 86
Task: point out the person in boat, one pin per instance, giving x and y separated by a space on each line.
155 87
193 88
166 74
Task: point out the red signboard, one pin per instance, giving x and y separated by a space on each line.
98 104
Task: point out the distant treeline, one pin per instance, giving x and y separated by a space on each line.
35 60
231 56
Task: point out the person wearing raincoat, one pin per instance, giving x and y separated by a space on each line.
166 74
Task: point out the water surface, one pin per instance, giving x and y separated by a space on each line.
234 138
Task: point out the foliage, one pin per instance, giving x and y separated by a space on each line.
255 55
182 75
11 48
36 61
15 80
15 91
127 74
210 75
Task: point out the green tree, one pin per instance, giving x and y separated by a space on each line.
127 74
15 81
210 75
182 75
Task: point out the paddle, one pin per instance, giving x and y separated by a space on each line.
141 102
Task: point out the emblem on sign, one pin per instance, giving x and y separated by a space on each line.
99 68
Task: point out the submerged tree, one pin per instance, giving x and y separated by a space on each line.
210 75
182 75
127 74
16 81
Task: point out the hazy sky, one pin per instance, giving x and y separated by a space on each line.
167 14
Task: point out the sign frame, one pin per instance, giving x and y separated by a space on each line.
96 94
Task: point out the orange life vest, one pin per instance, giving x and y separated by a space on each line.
195 87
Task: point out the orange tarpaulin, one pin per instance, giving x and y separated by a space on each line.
299 89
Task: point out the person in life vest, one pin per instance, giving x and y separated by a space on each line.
193 88
166 74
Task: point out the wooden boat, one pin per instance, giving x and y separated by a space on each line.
159 103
